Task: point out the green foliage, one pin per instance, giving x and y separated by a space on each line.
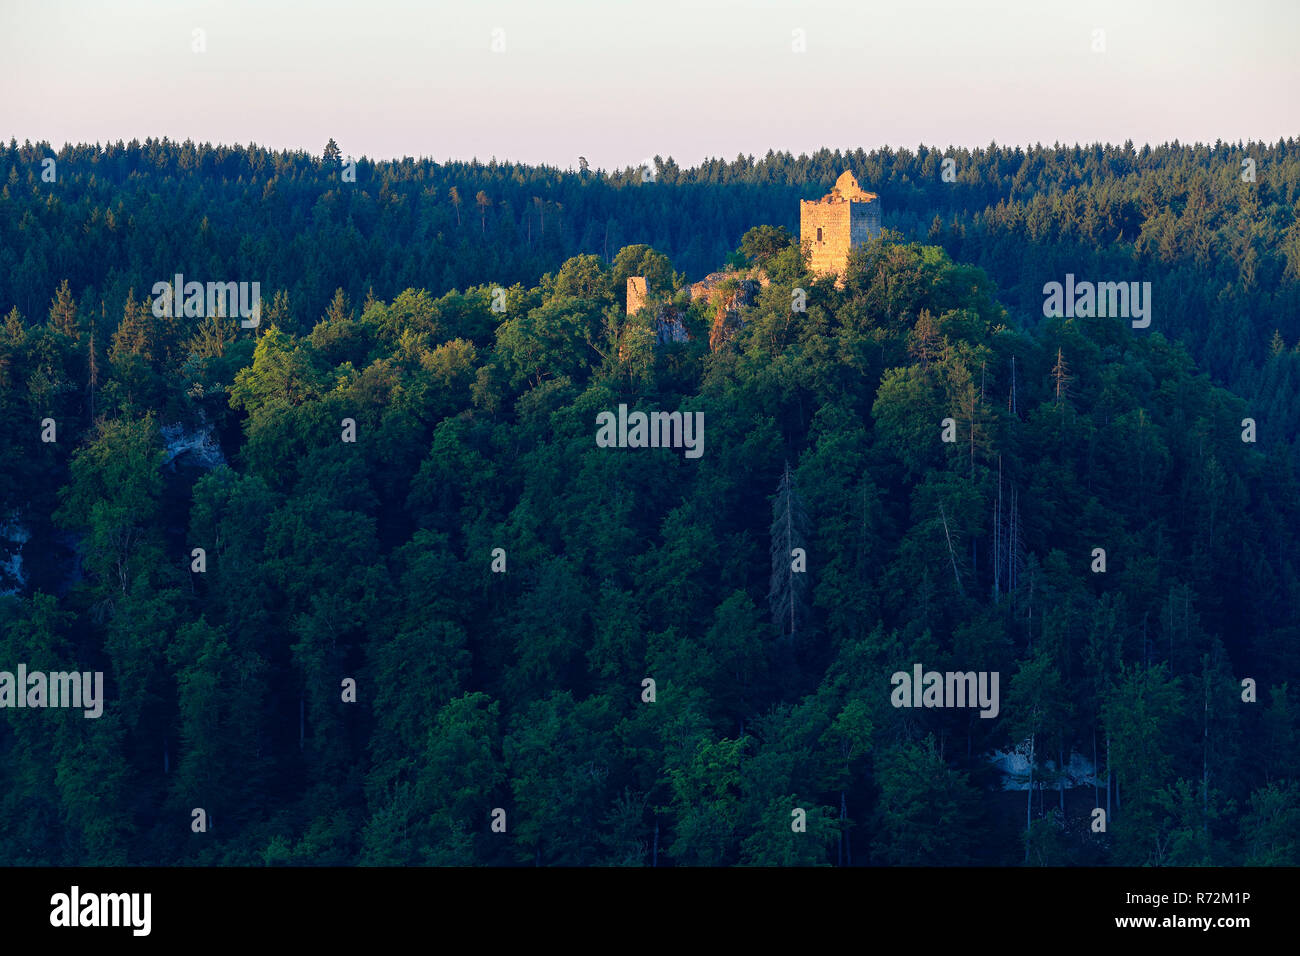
329 560
112 497
927 811
762 244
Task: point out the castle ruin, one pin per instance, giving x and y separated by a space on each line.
843 219
667 322
636 294
829 228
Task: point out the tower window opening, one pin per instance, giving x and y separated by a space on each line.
819 234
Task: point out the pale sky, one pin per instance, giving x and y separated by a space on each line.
618 81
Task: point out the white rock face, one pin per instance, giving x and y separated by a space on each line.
198 443
15 534
1014 765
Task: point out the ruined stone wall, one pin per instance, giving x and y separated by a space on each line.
865 222
636 294
667 325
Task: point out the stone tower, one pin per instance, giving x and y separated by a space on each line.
843 219
636 294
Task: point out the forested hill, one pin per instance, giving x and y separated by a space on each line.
501 587
1214 228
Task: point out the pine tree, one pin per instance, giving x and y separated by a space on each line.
340 310
454 195
924 342
787 595
1061 377
63 312
93 363
332 156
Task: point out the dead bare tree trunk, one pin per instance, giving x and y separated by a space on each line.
1060 769
839 855
1205 755
1095 795
951 554
1029 797
997 537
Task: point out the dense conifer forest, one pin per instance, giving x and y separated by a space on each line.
498 588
